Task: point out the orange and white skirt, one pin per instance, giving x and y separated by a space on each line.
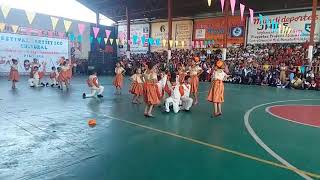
151 93
136 89
194 84
14 75
216 93
118 80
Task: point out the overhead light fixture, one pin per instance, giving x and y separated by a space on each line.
209 3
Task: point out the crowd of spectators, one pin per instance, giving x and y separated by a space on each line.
277 65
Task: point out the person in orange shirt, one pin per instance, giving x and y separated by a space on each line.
94 85
118 80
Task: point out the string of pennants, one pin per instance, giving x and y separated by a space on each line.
54 21
275 26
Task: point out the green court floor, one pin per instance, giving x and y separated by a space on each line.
44 135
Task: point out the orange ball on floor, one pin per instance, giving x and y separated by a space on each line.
92 122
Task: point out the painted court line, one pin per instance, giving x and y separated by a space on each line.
303 174
216 147
268 111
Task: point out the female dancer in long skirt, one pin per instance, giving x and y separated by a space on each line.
150 90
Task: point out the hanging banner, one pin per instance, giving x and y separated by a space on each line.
181 31
251 16
5 10
139 33
213 29
2 26
25 48
222 5
30 16
54 22
108 32
111 41
301 22
232 5
67 25
95 31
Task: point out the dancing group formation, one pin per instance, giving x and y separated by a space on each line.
173 89
59 77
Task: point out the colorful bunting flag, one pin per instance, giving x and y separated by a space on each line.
111 41
95 31
79 38
242 7
192 44
222 4
2 26
71 37
164 43
151 41
81 28
182 44
105 40
143 40
209 3
158 41
108 32
5 10
135 39
91 39
99 40
176 43
251 15
233 5
54 22
170 43
30 16
14 28
117 41
67 25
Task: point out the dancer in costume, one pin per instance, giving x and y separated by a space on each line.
186 100
136 86
176 92
94 85
195 72
216 93
118 80
14 73
151 92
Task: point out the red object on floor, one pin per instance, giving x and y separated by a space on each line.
302 114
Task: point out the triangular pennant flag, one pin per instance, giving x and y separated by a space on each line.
54 22
67 24
108 32
151 41
79 38
81 28
242 7
222 5
117 41
99 40
158 42
182 44
71 37
2 26
5 10
201 44
14 28
192 43
91 39
233 5
135 39
30 16
176 43
95 31
268 22
143 40
171 43
164 43
111 41
105 40
251 15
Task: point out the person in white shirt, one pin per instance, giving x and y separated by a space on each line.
34 81
94 85
176 92
186 100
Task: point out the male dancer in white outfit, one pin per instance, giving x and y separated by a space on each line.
186 100
175 96
94 86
